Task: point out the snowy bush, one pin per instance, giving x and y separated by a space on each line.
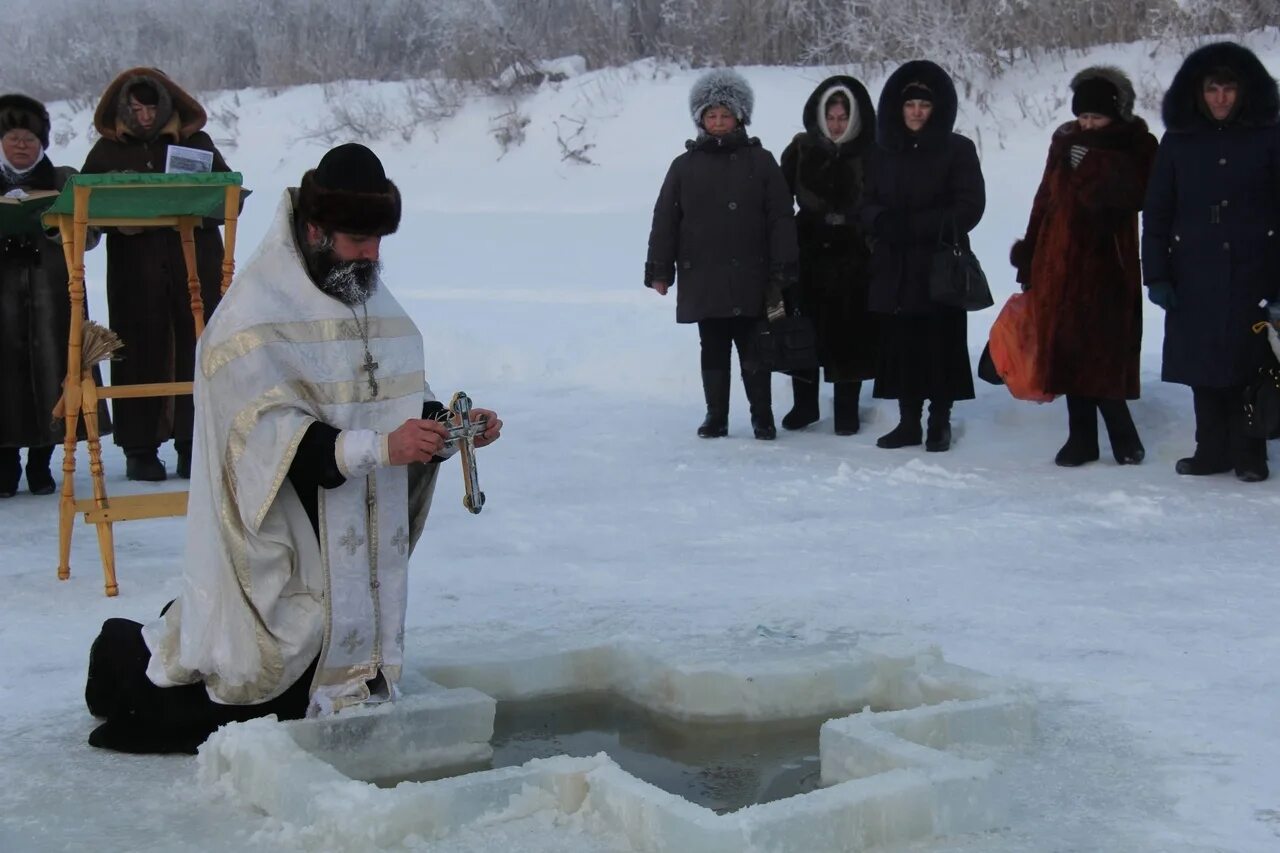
69 49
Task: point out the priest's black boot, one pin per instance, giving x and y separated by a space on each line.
908 432
804 409
846 408
39 479
10 471
1082 435
760 396
715 387
142 463
1126 447
937 437
1212 455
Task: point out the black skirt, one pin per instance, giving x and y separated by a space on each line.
924 357
833 292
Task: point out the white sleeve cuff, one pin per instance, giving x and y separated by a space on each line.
359 451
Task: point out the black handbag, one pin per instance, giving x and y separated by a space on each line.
955 276
1262 404
786 344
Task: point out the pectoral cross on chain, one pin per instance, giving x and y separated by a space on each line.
369 367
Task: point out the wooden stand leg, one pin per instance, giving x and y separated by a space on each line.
187 228
106 538
231 215
74 231
67 503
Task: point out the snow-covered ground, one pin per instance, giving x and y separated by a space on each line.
1140 606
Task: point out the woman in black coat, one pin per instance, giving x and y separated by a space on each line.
141 114
824 167
1211 244
35 312
723 231
923 179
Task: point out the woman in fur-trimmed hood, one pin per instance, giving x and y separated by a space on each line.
724 235
824 167
1079 264
35 316
1211 243
140 115
922 178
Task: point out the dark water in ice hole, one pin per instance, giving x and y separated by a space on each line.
720 766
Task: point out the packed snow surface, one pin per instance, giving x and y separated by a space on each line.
1139 607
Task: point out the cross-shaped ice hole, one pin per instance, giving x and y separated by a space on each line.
891 774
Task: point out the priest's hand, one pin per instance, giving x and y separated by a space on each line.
416 440
492 426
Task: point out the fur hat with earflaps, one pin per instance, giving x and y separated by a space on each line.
349 192
21 112
722 87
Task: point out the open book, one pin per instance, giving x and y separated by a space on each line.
22 215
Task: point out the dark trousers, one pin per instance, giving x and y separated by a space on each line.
1220 437
144 718
720 334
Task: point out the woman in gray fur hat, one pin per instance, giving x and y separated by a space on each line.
723 231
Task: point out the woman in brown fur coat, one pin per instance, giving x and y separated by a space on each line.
140 115
1079 264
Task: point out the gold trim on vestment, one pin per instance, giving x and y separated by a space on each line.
312 395
323 534
301 332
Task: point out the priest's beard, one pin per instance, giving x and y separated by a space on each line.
350 282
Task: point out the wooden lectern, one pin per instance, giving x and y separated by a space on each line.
138 201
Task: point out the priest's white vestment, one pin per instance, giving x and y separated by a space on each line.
263 596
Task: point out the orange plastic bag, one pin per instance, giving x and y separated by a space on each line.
1014 349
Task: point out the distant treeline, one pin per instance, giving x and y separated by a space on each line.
71 48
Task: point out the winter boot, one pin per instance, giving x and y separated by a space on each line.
1126 447
10 471
715 387
846 405
142 463
760 396
1248 455
1212 456
1082 433
184 459
908 432
804 391
39 480
937 438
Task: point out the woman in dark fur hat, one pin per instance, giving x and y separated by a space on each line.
1079 264
922 179
1211 244
140 115
824 167
34 305
723 224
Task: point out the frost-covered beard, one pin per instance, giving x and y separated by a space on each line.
350 282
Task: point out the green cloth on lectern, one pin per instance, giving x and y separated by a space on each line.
137 195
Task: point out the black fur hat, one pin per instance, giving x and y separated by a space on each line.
1259 104
19 111
349 192
1105 90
